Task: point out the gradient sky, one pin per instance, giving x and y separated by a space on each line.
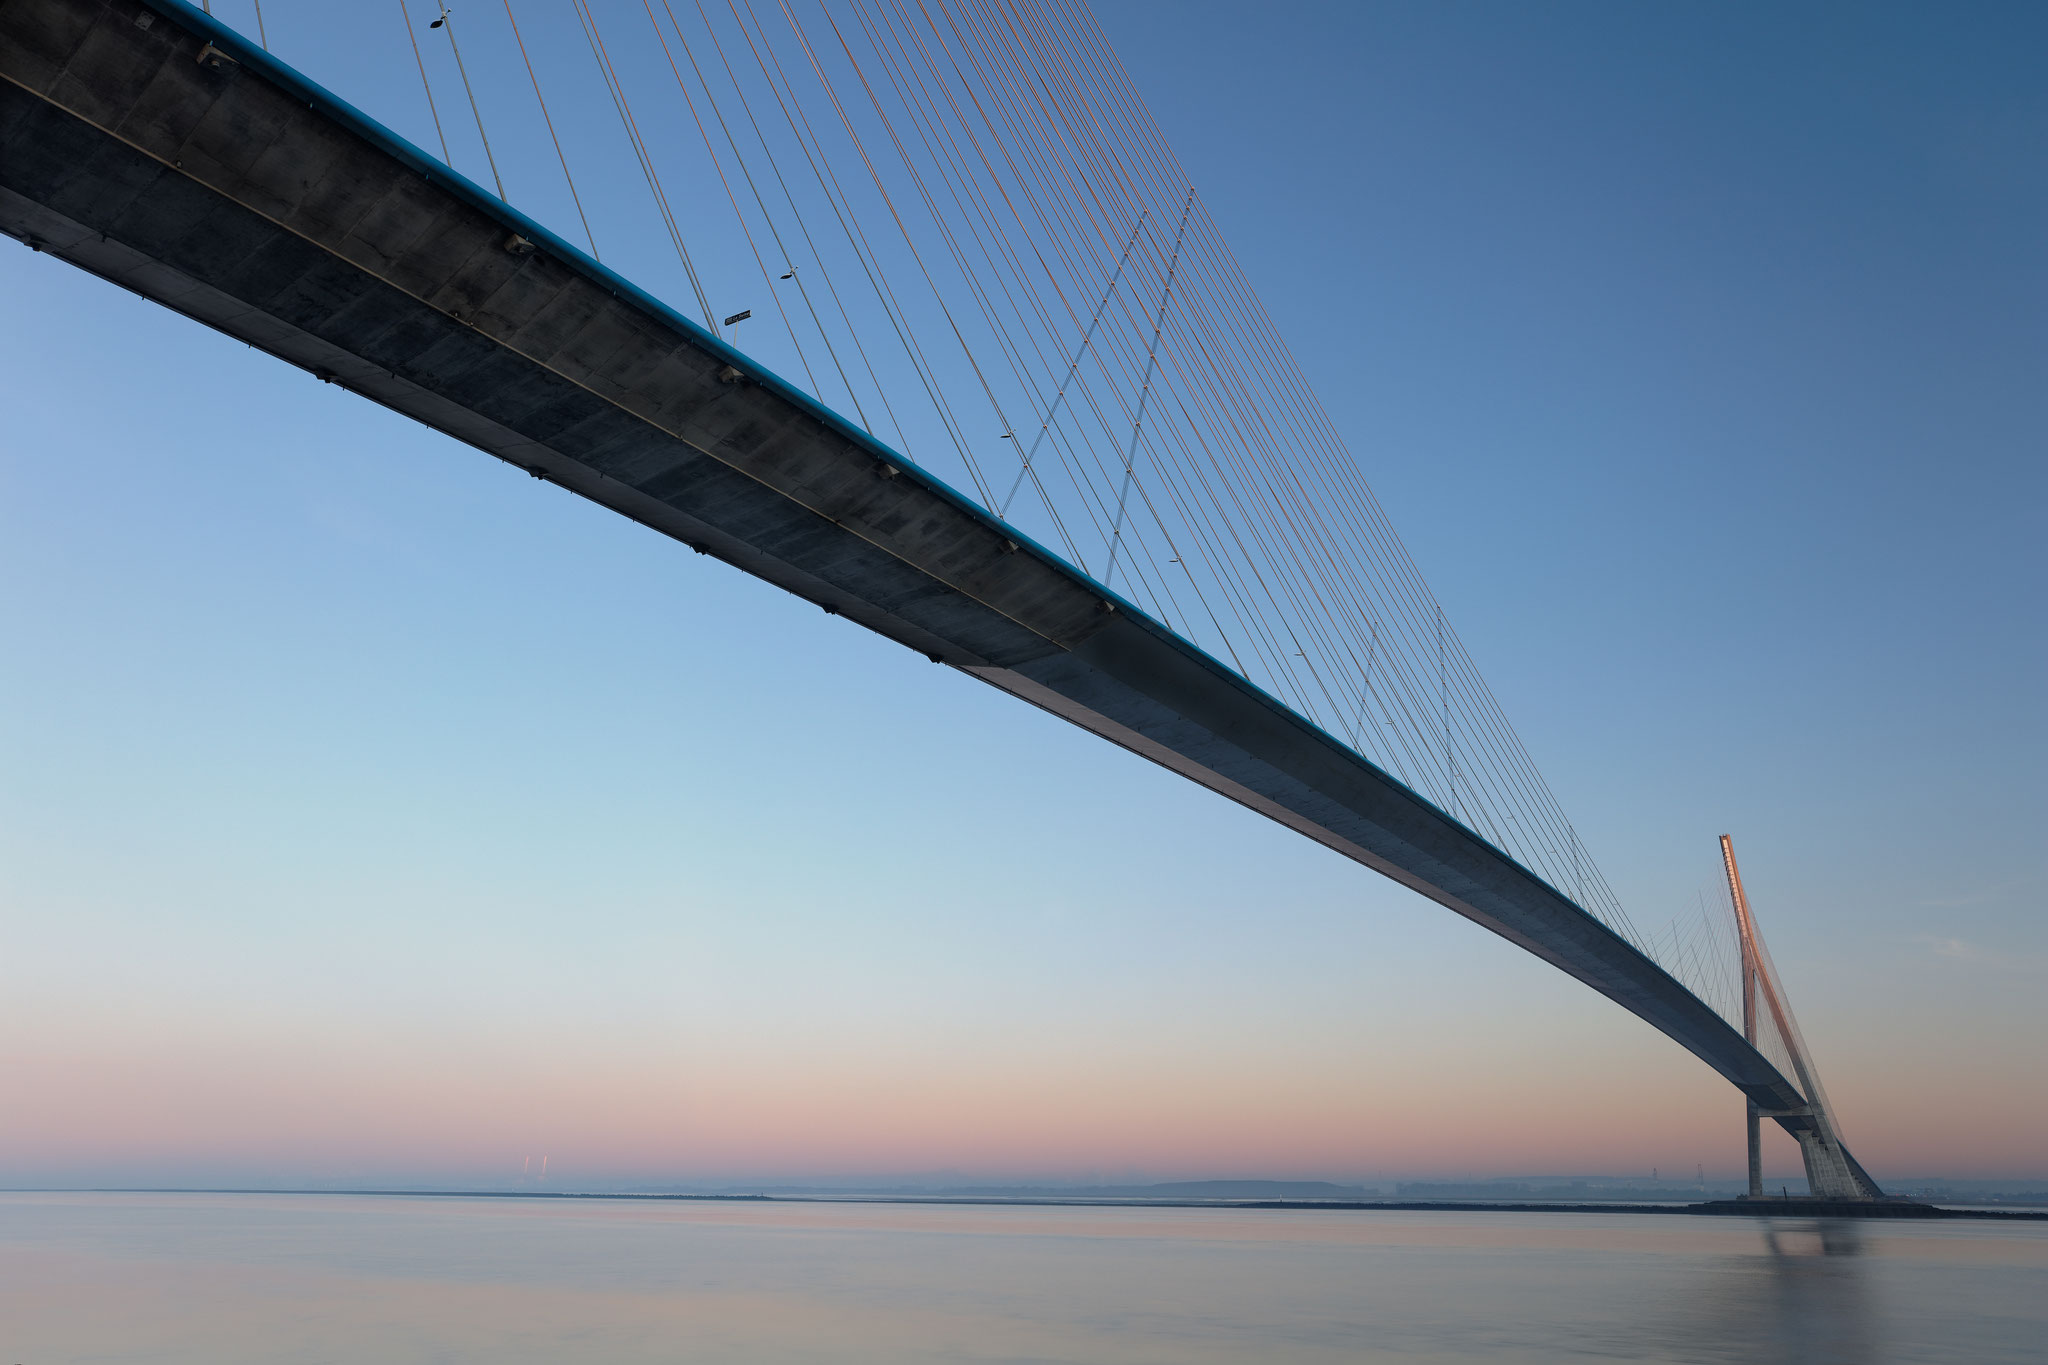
371 812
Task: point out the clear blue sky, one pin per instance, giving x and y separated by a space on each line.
370 811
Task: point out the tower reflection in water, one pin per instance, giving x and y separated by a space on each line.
1807 1298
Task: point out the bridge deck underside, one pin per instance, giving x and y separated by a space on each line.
254 203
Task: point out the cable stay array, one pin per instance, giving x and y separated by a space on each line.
958 224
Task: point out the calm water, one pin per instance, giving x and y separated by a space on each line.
233 1278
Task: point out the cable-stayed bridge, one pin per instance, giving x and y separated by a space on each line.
1045 433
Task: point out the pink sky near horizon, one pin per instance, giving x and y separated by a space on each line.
1586 1090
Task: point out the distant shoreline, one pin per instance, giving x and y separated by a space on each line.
1763 1208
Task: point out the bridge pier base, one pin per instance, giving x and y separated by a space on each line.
1828 1173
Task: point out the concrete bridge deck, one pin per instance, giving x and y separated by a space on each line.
150 146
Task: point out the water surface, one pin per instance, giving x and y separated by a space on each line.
226 1279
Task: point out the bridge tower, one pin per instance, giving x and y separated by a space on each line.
1831 1173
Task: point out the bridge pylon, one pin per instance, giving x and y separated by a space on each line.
1831 1173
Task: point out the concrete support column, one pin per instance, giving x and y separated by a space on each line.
1827 1173
1756 1153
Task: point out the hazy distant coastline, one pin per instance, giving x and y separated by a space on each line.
1561 1191
1525 1189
